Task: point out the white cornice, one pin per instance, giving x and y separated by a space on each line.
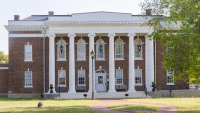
63 23
25 35
24 28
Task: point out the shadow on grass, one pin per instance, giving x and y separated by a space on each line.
51 109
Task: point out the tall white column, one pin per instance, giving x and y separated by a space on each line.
131 87
52 61
91 47
111 63
71 63
149 63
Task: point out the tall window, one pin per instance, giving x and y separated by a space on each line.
138 48
119 76
81 50
100 51
170 79
28 52
61 50
28 78
138 76
62 77
119 49
81 77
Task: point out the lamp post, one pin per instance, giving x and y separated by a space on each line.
92 56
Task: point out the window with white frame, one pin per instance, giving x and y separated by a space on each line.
119 49
28 52
81 77
100 49
138 48
119 76
28 78
61 77
61 50
170 79
138 76
81 50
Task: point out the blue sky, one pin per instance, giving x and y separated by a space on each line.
25 8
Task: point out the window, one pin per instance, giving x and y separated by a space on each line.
28 52
119 76
61 50
170 79
81 77
100 51
62 77
28 78
138 76
81 50
138 48
119 49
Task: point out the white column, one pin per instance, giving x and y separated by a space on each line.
91 47
111 63
149 63
131 87
52 61
71 63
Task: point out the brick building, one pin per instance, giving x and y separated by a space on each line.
55 50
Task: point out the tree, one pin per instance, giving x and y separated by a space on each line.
3 58
182 55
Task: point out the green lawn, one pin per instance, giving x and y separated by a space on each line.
139 108
190 105
54 106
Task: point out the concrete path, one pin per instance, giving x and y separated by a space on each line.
163 108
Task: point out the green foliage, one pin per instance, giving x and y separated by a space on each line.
176 23
153 83
3 58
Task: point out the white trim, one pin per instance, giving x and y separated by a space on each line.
138 84
62 86
25 35
170 84
81 60
3 67
138 59
28 60
28 86
119 59
61 60
100 59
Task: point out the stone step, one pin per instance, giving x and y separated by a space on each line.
79 95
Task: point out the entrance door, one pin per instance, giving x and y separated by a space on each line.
100 82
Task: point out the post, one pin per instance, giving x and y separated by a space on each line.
92 80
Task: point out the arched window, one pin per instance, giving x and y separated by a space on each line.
61 50
100 50
138 48
81 50
119 49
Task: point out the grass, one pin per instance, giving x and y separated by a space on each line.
51 106
139 108
186 105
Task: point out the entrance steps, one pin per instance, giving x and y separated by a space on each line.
79 95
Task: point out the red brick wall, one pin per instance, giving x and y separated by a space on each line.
4 79
17 66
161 73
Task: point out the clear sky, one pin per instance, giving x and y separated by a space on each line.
25 8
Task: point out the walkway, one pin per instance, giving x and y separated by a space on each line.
163 108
